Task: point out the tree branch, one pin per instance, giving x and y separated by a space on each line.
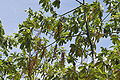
88 34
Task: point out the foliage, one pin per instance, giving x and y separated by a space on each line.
81 30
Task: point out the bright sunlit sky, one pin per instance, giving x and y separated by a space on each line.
12 13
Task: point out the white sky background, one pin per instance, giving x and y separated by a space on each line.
12 13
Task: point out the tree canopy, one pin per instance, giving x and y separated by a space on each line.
41 38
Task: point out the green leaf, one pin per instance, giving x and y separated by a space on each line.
5 52
22 45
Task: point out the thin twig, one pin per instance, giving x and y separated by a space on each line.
106 17
59 39
71 10
47 32
79 2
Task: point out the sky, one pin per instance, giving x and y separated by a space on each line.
12 13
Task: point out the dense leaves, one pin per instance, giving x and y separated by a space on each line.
63 47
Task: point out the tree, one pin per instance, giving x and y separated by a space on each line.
46 60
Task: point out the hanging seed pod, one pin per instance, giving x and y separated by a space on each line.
59 27
31 64
38 44
43 53
62 58
30 67
48 26
55 50
35 59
